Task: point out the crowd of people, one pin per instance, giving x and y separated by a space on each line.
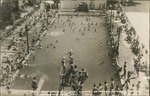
100 90
113 89
135 48
18 45
14 63
113 34
71 76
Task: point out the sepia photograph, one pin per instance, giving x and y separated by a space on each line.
74 47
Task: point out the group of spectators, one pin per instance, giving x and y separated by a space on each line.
111 28
18 45
100 90
113 89
136 48
112 42
118 90
71 75
13 63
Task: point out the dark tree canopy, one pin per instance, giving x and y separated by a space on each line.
56 1
10 8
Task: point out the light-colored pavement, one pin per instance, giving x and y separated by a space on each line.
138 17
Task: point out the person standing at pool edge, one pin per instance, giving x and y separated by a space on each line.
34 84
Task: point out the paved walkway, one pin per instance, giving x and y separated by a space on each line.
125 54
140 21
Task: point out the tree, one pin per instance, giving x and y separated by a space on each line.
6 10
16 6
12 19
31 2
15 9
56 3
10 11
